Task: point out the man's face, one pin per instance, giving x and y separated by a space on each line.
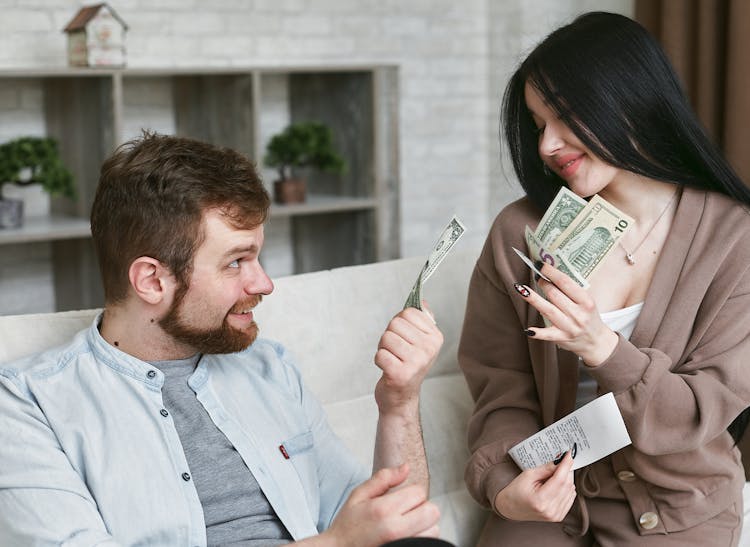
213 314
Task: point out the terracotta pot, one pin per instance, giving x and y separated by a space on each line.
289 191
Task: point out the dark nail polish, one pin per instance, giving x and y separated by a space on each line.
523 290
529 332
574 450
558 458
538 265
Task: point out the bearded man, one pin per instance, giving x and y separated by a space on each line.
168 422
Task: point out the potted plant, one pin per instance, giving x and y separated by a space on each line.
308 144
30 163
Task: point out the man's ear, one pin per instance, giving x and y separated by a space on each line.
151 281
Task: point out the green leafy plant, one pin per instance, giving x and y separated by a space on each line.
307 144
30 160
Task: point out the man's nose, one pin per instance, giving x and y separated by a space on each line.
258 282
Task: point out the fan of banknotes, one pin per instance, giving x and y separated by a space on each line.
575 235
451 234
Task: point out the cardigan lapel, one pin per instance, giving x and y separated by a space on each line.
670 265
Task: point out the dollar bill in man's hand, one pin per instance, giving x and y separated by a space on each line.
452 233
414 300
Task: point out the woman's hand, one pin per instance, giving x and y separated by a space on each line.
575 322
543 493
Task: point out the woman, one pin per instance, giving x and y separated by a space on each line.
664 325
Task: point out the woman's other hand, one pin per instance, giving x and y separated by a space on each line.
576 325
544 493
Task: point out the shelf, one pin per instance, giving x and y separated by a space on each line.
274 68
349 219
46 229
63 227
318 204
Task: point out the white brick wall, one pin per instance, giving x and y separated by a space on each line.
454 57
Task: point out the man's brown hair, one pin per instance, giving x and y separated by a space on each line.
151 197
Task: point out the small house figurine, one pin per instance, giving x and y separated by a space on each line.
96 37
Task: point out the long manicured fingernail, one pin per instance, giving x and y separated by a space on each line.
574 450
538 265
523 290
559 458
537 276
529 332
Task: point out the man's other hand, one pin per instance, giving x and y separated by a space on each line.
375 514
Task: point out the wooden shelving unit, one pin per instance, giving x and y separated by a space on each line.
349 219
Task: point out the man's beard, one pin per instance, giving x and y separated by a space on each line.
221 339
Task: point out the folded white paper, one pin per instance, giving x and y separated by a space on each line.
597 429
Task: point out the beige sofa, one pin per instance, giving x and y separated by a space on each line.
332 321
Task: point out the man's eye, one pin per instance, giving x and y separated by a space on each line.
234 264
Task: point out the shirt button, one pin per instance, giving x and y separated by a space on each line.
648 520
186 477
151 374
626 476
164 412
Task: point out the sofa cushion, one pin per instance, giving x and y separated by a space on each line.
332 320
338 317
25 334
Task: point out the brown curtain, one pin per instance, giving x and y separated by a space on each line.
708 42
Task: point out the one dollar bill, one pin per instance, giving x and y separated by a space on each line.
559 215
451 234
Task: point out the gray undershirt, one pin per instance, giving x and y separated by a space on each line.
235 509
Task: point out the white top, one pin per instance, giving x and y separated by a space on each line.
622 321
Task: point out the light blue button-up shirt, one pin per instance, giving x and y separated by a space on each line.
87 457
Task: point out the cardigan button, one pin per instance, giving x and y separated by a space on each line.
648 520
626 476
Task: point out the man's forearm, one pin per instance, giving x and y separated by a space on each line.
399 440
406 351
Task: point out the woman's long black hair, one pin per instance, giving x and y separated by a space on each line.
611 83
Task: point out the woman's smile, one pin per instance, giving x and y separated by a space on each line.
568 164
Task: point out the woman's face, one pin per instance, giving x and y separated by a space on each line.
564 153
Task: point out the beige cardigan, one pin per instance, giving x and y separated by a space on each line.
679 382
